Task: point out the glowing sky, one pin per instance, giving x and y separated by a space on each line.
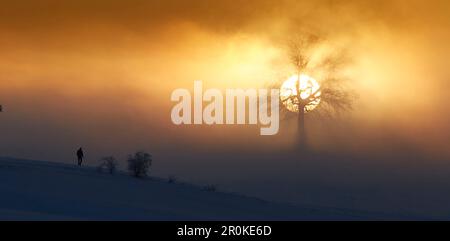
99 73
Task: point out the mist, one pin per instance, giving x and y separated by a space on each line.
99 74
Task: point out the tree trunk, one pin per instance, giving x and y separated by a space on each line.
301 128
301 116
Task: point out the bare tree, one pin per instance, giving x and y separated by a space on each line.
139 163
109 163
210 188
333 94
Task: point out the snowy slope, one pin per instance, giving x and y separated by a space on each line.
37 190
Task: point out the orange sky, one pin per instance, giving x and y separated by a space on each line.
101 72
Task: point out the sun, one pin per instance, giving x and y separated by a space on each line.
309 93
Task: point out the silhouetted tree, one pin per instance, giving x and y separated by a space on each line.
109 163
333 94
210 188
139 164
172 179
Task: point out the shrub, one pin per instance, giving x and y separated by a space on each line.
109 164
210 188
172 179
139 164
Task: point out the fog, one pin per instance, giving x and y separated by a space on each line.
99 74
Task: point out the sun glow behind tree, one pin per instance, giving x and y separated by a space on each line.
303 86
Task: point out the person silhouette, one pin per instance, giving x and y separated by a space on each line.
80 155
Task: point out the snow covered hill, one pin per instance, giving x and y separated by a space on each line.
38 190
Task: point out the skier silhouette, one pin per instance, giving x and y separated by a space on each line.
80 155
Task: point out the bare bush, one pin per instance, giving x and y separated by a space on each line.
108 164
139 164
172 179
210 188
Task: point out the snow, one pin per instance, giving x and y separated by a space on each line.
39 190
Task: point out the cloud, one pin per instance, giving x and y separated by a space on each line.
152 47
